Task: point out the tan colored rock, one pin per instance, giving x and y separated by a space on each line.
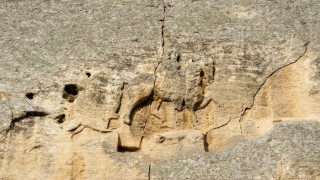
151 89
173 144
170 81
287 95
139 90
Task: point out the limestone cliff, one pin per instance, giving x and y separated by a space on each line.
159 89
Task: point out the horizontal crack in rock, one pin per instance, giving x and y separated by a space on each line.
27 115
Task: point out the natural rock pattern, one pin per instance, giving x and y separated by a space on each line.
285 96
172 144
279 155
150 89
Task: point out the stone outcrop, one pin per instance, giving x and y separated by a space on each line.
150 89
278 155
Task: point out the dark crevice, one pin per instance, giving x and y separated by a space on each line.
178 58
254 96
71 89
162 35
205 143
29 95
70 92
163 28
201 73
61 118
127 149
149 172
88 74
201 83
27 115
183 104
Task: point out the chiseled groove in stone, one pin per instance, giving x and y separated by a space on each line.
254 96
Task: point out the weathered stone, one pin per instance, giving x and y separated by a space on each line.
281 154
5 118
170 81
105 89
139 90
173 144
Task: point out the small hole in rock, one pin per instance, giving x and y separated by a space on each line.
61 118
70 92
71 89
88 74
201 73
183 103
29 95
178 58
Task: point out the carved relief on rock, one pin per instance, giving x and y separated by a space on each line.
97 102
139 90
199 75
183 87
170 82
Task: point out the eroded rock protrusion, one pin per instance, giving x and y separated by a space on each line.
139 90
170 81
5 119
27 114
171 84
173 143
199 75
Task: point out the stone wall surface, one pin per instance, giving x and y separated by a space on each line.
159 89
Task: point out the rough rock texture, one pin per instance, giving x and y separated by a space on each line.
152 89
281 154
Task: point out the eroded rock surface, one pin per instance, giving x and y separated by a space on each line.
281 154
106 89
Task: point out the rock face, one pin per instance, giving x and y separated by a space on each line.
278 155
150 89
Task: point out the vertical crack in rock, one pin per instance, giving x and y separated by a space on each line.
162 27
162 36
149 172
205 143
254 96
